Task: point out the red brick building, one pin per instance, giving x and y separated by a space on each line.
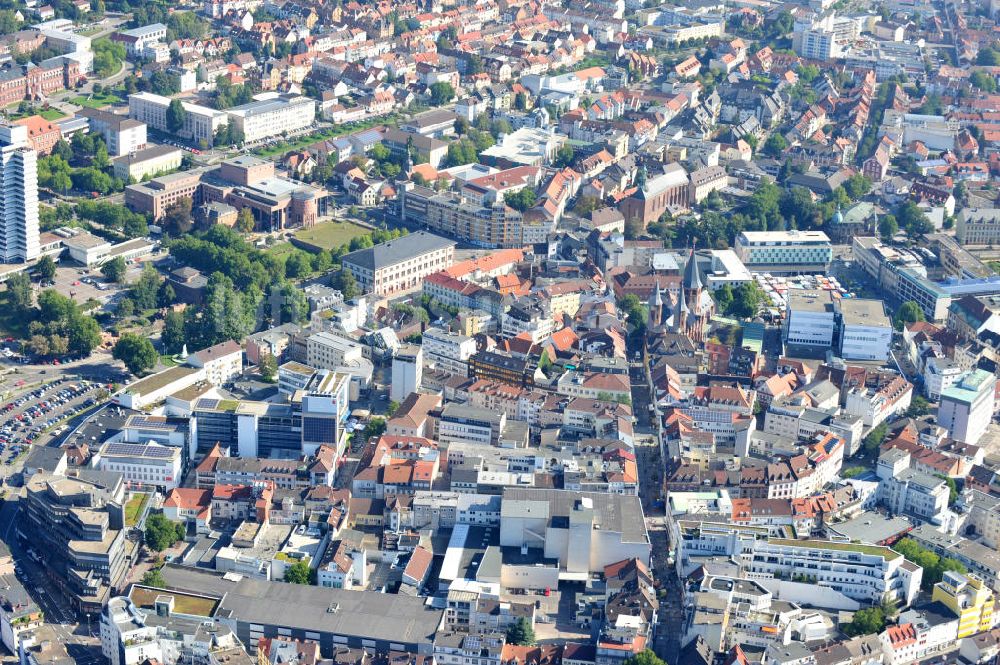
35 82
42 134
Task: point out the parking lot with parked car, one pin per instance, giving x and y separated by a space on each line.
35 413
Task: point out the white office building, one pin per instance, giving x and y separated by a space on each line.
865 329
447 350
784 251
407 371
811 319
19 198
967 406
142 463
940 373
272 115
401 264
222 363
863 573
326 350
200 122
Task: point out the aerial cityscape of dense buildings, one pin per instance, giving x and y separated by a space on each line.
500 332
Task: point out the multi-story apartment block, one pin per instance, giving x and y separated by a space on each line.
865 329
401 264
865 573
967 406
503 367
810 322
148 162
18 196
447 350
137 39
200 122
969 598
314 418
467 423
222 362
123 135
272 116
326 350
978 226
785 251
149 464
495 225
77 526
407 370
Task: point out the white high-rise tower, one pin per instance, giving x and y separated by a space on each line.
18 196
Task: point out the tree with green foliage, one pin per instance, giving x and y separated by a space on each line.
19 288
374 429
775 145
161 533
228 313
913 219
983 80
866 621
108 57
635 313
145 291
125 309
857 185
173 336
952 488
521 633
934 566
989 57
875 438
46 268
154 578
909 312
564 156
918 407
114 217
165 295
442 92
747 299
645 657
177 219
343 280
521 200
294 304
244 221
136 352
299 572
887 227
115 270
268 368
176 115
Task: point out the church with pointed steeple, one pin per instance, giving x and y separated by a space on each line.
695 307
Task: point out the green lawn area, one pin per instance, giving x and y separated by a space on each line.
96 101
184 603
331 234
281 249
134 508
48 114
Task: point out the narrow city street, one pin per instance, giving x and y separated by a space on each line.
80 639
650 466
